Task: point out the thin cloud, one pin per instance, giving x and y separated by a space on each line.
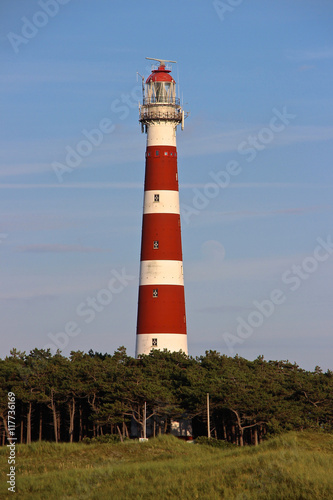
23 169
211 217
261 185
59 249
305 67
77 185
139 185
244 270
311 54
227 141
223 309
43 72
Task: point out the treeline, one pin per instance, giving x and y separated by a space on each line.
89 395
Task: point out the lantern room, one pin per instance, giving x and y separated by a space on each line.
160 87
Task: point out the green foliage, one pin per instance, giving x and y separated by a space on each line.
93 394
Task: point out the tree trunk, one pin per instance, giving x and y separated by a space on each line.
255 432
71 407
29 424
4 420
58 424
22 431
40 435
233 434
121 437
80 424
54 415
241 437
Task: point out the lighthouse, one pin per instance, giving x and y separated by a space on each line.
161 322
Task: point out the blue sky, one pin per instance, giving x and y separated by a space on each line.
257 79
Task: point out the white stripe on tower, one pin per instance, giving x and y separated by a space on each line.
166 202
162 272
161 134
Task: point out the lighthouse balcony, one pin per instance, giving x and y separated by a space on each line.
159 112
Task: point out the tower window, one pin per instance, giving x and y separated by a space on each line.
155 245
156 197
157 153
165 153
154 342
155 293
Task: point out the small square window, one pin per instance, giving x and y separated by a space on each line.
165 153
155 293
155 245
157 153
154 342
171 154
148 154
156 197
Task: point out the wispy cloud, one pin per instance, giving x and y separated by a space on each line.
41 72
219 217
120 147
305 67
36 156
139 185
268 213
196 143
59 249
223 309
12 170
75 185
61 285
244 270
311 54
261 185
240 269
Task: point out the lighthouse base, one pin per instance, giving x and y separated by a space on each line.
173 342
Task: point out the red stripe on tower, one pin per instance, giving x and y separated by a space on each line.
161 307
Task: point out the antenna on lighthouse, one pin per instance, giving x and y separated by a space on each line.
142 80
161 61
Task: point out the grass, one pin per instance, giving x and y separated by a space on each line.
292 466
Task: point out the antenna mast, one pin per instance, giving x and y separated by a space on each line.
161 61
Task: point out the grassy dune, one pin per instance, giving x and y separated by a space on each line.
293 466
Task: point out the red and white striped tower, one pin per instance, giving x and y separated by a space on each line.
161 308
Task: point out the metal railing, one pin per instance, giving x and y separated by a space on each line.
175 101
